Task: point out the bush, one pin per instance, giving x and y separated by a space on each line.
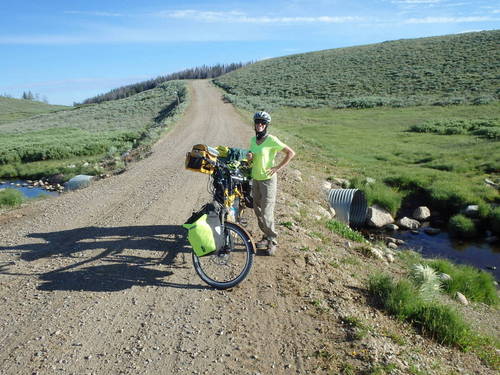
475 284
11 198
461 226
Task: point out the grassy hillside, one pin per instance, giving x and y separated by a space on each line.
451 69
46 144
17 109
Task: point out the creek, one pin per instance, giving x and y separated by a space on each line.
25 188
480 253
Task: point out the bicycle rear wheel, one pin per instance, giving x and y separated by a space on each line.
230 265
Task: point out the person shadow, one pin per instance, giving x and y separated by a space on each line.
106 258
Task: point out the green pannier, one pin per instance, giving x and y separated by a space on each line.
204 231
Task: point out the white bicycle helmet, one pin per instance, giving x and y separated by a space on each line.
261 115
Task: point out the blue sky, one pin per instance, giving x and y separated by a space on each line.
67 51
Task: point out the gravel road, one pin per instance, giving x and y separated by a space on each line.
100 281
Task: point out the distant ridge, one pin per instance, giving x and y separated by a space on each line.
451 69
201 72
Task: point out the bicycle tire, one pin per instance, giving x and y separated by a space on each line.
229 266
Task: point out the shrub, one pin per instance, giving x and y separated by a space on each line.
462 227
10 198
475 284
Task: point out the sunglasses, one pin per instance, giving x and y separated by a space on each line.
263 122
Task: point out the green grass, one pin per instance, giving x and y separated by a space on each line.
344 231
18 109
432 319
437 321
451 69
462 227
448 172
475 284
10 198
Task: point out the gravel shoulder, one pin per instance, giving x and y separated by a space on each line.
101 281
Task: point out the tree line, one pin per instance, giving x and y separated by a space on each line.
202 72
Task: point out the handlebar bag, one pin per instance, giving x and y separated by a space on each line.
201 158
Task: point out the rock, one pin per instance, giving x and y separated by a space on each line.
378 217
390 257
462 299
326 186
471 210
78 182
342 182
332 211
432 231
370 180
323 212
391 227
491 239
296 175
56 179
376 253
422 213
392 245
408 223
444 277
491 183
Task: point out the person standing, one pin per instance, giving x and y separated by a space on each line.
263 150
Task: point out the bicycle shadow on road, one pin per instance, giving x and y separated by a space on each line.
115 249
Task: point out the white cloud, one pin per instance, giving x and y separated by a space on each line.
448 20
239 17
95 13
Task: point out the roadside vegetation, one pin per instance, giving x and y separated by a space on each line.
75 141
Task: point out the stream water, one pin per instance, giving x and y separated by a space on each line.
28 192
480 254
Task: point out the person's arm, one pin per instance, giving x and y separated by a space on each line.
289 154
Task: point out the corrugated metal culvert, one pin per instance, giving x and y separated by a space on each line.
350 206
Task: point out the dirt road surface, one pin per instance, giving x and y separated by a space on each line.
100 281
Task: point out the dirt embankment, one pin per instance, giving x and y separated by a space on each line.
101 281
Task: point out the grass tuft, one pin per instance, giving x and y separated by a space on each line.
344 230
10 198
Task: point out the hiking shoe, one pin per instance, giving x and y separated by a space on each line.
262 244
271 250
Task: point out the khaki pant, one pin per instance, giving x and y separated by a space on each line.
264 199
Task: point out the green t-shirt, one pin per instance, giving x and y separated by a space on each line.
263 156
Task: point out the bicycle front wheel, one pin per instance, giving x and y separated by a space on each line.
229 266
